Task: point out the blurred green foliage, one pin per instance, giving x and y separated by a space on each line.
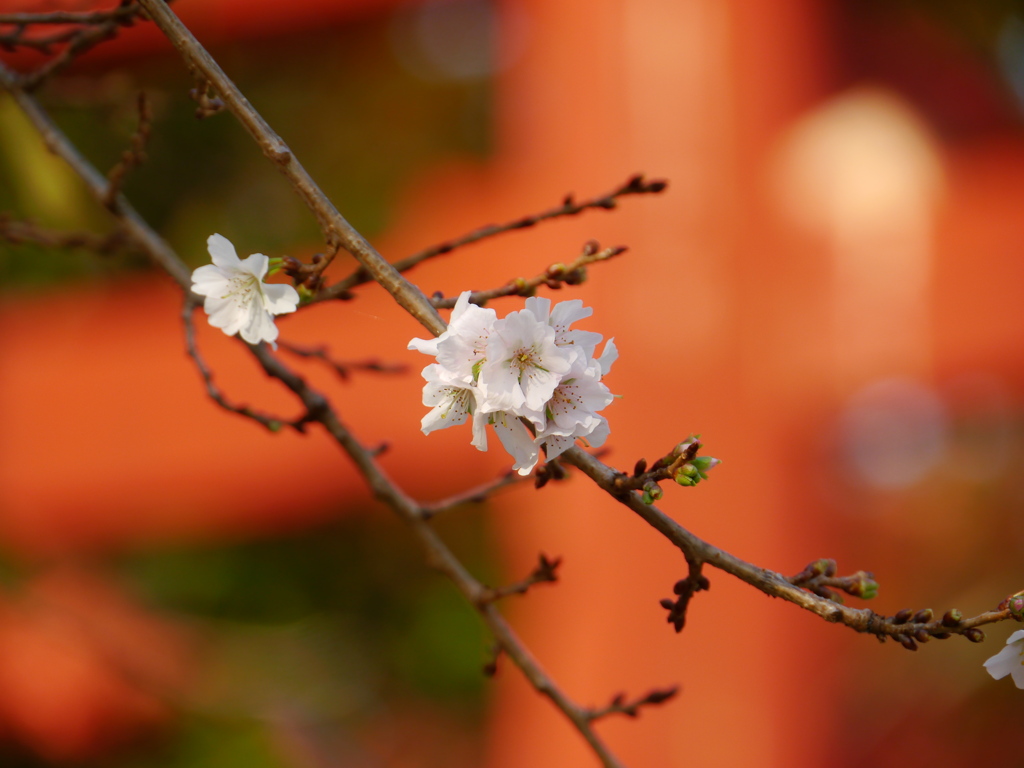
360 122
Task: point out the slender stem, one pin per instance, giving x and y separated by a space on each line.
133 224
318 409
335 228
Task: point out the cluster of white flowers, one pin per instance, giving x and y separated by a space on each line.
527 365
237 300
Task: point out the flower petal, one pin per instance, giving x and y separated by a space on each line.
222 252
280 298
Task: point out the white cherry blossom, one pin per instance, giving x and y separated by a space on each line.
237 300
523 365
1010 660
528 375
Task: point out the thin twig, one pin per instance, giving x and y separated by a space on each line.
554 277
636 185
20 232
546 572
620 706
336 229
773 584
120 13
135 155
130 221
271 422
343 368
318 408
476 495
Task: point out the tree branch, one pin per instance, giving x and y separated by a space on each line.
336 229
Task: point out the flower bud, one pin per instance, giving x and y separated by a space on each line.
974 634
923 616
1015 605
921 635
705 463
902 617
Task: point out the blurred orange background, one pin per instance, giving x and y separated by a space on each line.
828 292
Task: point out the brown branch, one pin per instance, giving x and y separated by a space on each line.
546 572
698 551
135 155
318 409
95 29
619 705
21 232
476 495
636 185
271 422
554 276
129 220
122 13
336 230
343 368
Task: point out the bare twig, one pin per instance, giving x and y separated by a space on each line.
554 276
343 368
318 408
135 155
336 229
93 28
620 706
271 422
20 232
636 185
773 584
476 495
546 572
130 221
122 13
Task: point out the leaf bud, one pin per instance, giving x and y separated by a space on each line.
556 270
683 479
923 616
705 463
906 642
902 617
952 618
921 635
974 634
667 603
823 567
640 467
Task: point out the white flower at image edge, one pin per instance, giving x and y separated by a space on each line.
1010 660
237 300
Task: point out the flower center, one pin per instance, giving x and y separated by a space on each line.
241 288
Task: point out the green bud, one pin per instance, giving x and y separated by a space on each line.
1016 607
274 426
685 480
706 463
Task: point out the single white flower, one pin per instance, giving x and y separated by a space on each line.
561 317
575 401
237 300
451 403
1010 660
522 366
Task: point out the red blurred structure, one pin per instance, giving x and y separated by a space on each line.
820 235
